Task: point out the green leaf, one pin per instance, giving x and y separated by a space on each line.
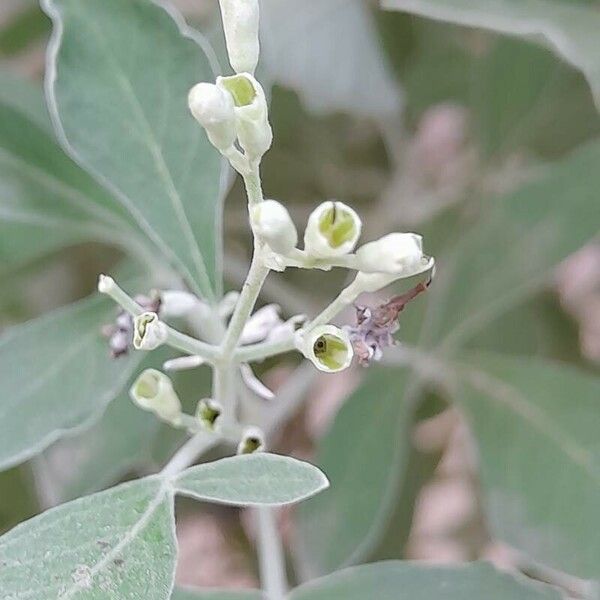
46 201
396 580
364 454
252 480
568 27
536 424
116 544
117 86
213 594
508 255
329 53
55 376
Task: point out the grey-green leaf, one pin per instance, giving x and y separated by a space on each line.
252 480
116 544
215 594
536 425
363 454
395 580
328 51
569 28
55 376
118 78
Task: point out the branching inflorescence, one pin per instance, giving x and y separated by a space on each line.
234 113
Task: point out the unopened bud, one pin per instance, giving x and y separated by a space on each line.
395 253
176 303
273 224
149 332
212 107
251 113
333 229
208 412
241 22
328 347
253 440
153 391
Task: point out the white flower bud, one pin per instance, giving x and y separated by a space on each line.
208 413
273 224
241 22
153 391
253 440
149 332
176 303
328 347
251 112
212 107
333 229
395 253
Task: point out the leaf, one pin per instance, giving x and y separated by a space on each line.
508 255
118 78
214 594
364 455
56 376
252 480
46 201
328 52
569 28
536 424
395 580
116 544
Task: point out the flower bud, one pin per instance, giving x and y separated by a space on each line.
208 412
273 224
333 229
328 347
149 332
212 107
251 113
253 440
395 253
153 391
177 304
240 22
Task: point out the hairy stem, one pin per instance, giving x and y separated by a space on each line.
271 557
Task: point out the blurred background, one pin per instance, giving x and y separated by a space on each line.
419 125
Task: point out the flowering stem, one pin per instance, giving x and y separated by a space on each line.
271 557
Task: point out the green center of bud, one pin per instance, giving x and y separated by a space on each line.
250 444
208 414
331 351
241 89
337 225
147 386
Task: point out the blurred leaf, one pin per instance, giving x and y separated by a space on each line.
116 544
396 580
120 106
511 252
537 424
566 26
27 27
252 480
328 52
364 454
214 594
46 201
55 376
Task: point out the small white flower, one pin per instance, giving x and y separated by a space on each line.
260 324
395 253
253 440
177 304
212 107
208 412
328 347
149 332
183 363
241 22
333 229
272 223
153 391
254 132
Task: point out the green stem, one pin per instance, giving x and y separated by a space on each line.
271 556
